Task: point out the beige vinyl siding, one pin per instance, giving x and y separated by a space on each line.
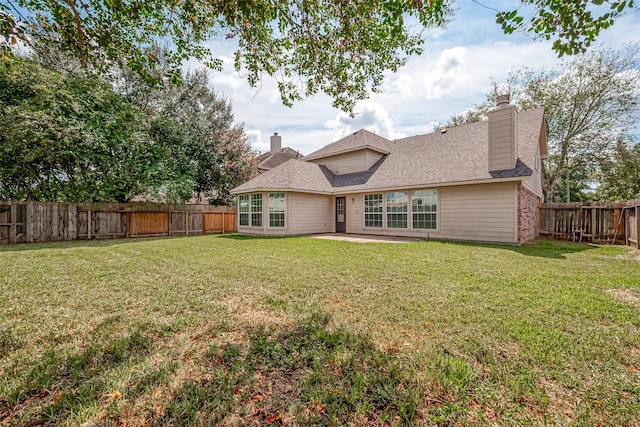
310 213
355 214
356 161
534 182
481 212
485 212
502 137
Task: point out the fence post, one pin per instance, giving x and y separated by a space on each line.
89 224
186 223
72 228
12 220
55 224
222 222
638 227
29 225
127 230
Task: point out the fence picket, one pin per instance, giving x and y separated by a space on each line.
602 222
49 222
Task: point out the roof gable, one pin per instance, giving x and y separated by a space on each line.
360 140
349 179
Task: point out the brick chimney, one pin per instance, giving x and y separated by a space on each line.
503 135
276 142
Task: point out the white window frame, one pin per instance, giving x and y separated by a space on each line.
370 211
244 212
255 215
393 215
248 213
433 209
277 209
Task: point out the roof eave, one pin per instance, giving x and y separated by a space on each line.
280 190
433 185
543 139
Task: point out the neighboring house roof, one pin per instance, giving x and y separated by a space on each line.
458 155
270 160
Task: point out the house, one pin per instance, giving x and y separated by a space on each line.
475 182
277 155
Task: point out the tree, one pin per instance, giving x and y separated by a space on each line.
213 152
589 102
581 181
68 136
574 24
230 163
339 47
619 174
71 138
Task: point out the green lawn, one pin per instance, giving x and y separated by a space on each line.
209 330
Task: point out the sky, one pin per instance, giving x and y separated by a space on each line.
455 71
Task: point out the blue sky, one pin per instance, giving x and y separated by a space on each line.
454 72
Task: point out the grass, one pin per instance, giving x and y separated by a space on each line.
230 330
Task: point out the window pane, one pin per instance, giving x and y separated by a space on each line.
397 208
243 209
256 210
373 210
277 207
424 207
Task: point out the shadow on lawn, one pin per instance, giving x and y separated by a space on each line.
99 243
542 248
244 237
61 385
306 374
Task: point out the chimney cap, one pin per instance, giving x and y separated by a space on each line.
502 100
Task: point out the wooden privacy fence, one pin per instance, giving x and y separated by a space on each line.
596 221
26 222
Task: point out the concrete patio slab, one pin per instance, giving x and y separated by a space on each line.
366 238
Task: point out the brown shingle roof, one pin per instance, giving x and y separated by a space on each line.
358 140
270 160
293 175
456 156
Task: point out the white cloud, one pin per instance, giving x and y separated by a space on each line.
401 84
449 71
454 72
255 139
370 115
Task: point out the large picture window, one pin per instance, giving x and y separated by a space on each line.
424 208
397 208
277 209
256 210
373 210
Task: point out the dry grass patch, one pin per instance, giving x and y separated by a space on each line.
629 296
247 309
